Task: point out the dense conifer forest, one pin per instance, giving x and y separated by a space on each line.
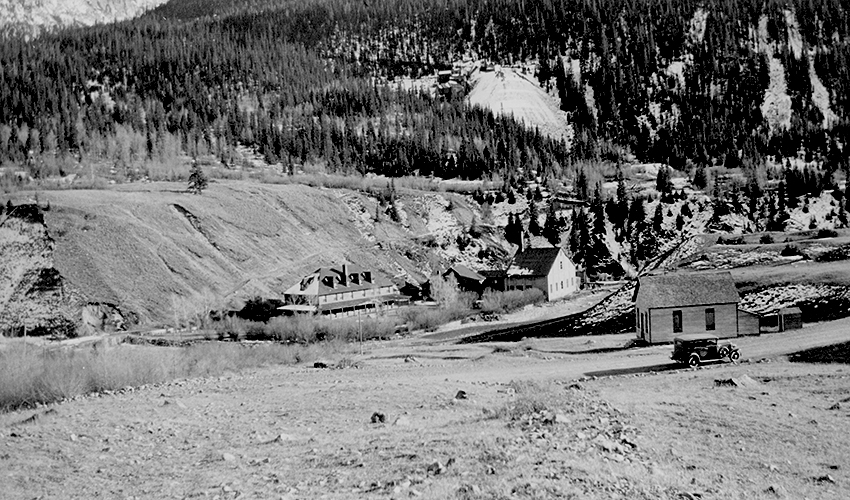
317 80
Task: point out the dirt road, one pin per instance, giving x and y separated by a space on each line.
308 433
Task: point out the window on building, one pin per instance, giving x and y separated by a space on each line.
562 285
562 265
677 321
709 319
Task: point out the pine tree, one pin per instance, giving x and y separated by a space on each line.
582 185
658 219
637 215
553 226
197 179
700 177
663 183
534 223
598 210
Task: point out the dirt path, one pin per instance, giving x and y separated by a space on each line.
299 432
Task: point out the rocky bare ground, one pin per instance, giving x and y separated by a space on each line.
542 419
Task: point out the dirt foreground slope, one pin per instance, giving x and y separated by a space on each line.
524 427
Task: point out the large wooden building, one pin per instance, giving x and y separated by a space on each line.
547 269
671 305
341 291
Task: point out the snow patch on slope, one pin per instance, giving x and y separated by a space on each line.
820 96
697 26
516 95
776 107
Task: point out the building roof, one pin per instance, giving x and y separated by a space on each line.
751 313
790 310
492 273
682 290
533 262
374 301
316 283
464 272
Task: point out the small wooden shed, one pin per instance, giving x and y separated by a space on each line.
790 318
749 323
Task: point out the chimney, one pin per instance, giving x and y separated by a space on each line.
345 275
521 243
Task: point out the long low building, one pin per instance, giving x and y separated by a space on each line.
341 291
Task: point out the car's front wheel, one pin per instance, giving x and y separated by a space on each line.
693 360
723 352
735 356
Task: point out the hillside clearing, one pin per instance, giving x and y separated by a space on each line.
517 95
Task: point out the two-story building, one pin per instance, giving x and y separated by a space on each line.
547 269
341 291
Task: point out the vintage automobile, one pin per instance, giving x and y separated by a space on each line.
696 348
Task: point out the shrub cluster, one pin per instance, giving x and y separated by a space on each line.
29 376
732 240
308 329
503 302
790 251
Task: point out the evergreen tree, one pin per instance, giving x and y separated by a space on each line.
198 181
534 223
575 237
658 219
598 210
553 226
637 215
663 182
700 177
582 185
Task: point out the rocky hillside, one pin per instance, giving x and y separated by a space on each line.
153 254
29 17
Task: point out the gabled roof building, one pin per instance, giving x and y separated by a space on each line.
668 306
341 290
547 269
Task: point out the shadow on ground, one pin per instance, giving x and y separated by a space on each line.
838 353
636 369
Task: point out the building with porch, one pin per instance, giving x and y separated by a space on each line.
341 291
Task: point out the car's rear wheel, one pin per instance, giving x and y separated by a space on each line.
735 356
723 352
693 360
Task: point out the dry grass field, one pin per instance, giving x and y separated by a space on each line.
554 418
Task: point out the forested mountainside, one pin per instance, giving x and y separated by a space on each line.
666 80
30 17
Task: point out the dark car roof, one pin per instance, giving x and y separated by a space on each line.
689 337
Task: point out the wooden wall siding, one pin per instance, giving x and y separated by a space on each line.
748 323
564 271
519 283
693 321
